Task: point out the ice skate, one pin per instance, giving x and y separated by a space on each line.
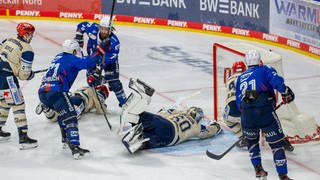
242 144
284 177
4 136
261 173
78 152
26 142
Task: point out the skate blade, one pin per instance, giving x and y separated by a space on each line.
78 156
28 146
2 139
65 146
263 178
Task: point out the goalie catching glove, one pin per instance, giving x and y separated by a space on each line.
288 96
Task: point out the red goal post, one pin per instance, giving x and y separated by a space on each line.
299 127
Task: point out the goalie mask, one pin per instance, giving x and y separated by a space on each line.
196 113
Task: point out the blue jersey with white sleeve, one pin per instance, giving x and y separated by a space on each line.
64 70
261 79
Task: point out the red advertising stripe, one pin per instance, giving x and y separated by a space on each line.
87 6
165 22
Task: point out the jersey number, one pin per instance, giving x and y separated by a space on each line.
244 85
183 123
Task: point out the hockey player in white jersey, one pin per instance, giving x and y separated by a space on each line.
164 128
16 58
231 114
84 100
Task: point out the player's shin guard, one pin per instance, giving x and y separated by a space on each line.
279 157
116 87
254 150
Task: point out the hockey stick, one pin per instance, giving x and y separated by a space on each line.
103 110
101 66
40 71
219 156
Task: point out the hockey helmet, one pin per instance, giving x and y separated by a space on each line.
105 22
70 46
252 58
25 30
238 67
196 113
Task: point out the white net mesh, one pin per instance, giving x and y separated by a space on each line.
299 127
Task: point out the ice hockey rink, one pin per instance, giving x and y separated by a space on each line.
177 64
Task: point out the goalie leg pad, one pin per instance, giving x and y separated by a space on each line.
140 86
133 140
137 102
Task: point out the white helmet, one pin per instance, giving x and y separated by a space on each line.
105 22
252 58
70 45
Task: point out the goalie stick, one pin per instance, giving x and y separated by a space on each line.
219 156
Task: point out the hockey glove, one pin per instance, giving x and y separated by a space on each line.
103 90
94 78
31 76
103 47
287 96
79 39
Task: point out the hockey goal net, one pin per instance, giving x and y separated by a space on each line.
299 127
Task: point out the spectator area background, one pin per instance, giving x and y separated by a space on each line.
292 23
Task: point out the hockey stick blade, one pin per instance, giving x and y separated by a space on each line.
219 156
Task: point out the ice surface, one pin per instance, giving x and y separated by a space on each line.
164 59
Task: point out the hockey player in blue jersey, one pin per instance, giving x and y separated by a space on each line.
255 98
231 114
97 33
167 127
56 83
